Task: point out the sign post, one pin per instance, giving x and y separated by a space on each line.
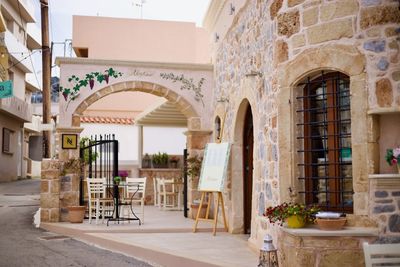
212 178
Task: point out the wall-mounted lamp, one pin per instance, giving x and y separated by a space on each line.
216 37
231 9
254 73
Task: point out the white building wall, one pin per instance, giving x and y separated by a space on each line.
164 139
155 139
127 136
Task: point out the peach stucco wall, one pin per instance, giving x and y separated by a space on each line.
124 104
141 40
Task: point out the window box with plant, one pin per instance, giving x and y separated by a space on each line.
295 215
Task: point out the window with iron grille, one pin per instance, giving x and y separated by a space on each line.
324 141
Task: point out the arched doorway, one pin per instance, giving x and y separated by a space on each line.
248 142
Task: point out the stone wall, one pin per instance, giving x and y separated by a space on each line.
263 40
324 251
59 190
151 174
385 206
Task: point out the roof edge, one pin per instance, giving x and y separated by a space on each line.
149 64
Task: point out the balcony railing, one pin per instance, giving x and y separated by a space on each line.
17 108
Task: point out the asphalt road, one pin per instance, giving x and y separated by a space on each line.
22 244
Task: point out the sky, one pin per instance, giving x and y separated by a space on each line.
61 11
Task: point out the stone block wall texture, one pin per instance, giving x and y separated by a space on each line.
151 174
59 189
331 251
385 207
267 35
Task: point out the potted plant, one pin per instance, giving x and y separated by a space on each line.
160 160
117 179
174 161
194 166
296 215
393 157
76 214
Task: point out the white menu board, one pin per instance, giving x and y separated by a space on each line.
213 169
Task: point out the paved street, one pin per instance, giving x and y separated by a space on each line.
22 244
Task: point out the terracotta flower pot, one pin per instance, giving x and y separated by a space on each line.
331 224
295 221
76 214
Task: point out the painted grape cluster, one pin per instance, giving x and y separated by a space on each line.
71 94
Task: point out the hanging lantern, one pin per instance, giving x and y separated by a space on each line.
268 254
146 161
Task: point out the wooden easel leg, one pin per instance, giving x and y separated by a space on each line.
198 212
223 211
210 196
216 217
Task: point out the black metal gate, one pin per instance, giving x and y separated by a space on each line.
100 157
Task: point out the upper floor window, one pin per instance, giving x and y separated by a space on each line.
7 141
324 141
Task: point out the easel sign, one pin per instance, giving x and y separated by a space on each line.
212 178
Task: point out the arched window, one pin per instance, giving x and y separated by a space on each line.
324 141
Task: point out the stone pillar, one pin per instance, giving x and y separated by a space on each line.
60 179
195 142
50 190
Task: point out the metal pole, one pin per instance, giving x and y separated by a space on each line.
185 183
46 68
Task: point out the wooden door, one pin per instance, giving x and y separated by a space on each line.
248 140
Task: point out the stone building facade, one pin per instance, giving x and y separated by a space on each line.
263 54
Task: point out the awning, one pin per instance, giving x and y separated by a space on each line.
163 113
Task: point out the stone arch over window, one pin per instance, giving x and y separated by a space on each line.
147 87
329 58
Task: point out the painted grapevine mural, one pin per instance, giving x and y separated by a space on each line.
71 94
187 84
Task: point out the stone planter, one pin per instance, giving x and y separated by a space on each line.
76 214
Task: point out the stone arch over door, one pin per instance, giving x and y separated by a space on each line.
344 59
237 193
194 122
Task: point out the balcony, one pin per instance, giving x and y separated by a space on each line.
8 40
27 9
34 37
17 108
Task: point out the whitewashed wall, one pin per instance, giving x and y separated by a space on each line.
155 139
163 139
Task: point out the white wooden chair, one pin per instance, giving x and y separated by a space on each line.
97 199
156 188
135 194
169 194
381 254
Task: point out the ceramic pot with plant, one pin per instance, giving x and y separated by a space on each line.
294 214
174 162
117 179
393 157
